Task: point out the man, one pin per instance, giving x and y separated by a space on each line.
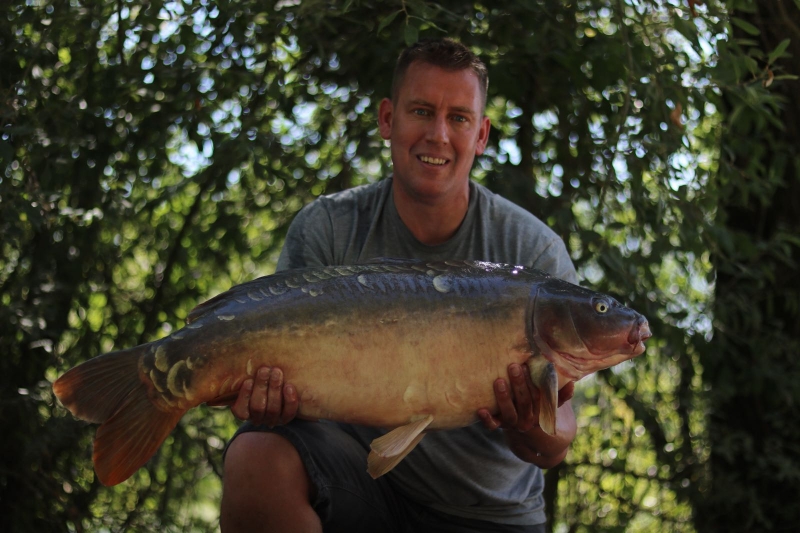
291 475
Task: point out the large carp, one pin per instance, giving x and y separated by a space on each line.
403 344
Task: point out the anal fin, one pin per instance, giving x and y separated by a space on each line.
544 377
390 449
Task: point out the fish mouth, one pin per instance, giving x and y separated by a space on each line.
638 335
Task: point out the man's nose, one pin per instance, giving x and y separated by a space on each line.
437 130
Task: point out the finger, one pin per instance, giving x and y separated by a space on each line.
274 398
490 422
508 413
290 404
240 408
522 398
258 400
566 393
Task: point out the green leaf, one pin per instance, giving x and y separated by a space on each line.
419 8
779 50
431 24
388 20
751 64
746 26
412 34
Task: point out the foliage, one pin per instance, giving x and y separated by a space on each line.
154 152
751 363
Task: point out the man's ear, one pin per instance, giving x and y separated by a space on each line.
483 135
385 115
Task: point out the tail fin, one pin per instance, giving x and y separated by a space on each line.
107 390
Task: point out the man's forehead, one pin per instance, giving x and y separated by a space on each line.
418 85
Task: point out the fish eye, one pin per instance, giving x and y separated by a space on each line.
601 306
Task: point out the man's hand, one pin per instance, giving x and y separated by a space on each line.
519 401
518 404
265 399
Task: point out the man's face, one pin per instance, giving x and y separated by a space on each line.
436 127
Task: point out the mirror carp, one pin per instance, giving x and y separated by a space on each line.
404 344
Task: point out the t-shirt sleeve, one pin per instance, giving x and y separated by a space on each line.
521 237
309 241
555 260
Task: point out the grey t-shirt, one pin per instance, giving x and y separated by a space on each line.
468 472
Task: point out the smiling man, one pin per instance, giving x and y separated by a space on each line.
436 126
284 474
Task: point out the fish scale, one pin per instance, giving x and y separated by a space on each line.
410 345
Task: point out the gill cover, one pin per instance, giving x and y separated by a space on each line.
553 329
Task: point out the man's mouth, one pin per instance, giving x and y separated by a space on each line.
432 160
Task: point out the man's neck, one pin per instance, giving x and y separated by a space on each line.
431 221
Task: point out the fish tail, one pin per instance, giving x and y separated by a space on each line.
107 390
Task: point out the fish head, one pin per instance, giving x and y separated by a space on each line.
583 331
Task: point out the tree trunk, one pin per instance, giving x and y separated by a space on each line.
752 366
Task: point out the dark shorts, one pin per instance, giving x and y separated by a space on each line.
349 500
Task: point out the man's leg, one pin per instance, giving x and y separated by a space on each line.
266 487
304 476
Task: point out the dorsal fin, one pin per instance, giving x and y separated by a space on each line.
389 260
223 298
207 306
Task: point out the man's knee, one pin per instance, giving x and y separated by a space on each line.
265 486
257 463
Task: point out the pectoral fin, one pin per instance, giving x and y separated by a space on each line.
378 466
543 375
390 449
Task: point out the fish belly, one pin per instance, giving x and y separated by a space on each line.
387 373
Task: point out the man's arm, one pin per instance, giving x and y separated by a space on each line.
519 407
517 400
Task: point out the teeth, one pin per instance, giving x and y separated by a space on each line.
432 160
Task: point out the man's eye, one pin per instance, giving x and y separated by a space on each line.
421 112
459 118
